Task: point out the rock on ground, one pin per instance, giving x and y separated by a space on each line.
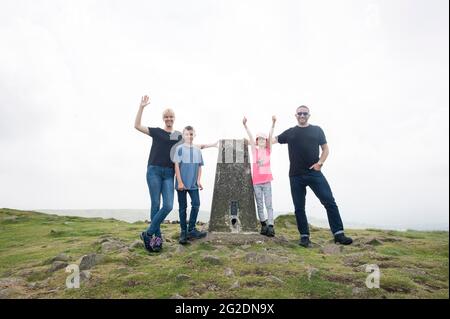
113 245
61 257
85 275
57 265
89 261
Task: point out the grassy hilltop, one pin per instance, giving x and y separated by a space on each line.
35 248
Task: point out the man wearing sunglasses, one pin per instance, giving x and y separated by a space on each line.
303 142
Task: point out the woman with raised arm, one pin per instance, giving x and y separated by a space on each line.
262 176
160 173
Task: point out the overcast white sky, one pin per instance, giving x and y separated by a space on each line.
375 74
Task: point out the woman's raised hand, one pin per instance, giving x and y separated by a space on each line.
145 100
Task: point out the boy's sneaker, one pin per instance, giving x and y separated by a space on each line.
156 243
264 229
305 242
270 231
146 239
183 238
342 239
196 234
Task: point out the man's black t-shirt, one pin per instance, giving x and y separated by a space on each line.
303 144
160 153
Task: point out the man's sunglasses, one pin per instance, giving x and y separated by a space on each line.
302 113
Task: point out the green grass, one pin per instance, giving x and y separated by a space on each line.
413 264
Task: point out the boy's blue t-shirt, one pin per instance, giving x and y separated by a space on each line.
190 159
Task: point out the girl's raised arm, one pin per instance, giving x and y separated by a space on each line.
250 136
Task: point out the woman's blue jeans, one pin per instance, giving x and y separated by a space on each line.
160 181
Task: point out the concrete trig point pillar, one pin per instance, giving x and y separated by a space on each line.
233 204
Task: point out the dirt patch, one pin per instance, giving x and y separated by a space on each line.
12 288
340 278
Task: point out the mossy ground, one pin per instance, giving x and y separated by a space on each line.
413 264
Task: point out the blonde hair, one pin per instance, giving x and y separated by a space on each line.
168 112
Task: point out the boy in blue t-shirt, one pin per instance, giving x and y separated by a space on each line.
188 171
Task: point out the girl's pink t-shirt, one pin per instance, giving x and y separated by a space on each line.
261 166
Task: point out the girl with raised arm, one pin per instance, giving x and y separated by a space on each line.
262 176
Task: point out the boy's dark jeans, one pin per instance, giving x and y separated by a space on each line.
319 185
195 206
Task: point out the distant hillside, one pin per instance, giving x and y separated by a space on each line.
35 248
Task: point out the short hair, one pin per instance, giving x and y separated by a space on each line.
189 128
304 106
168 112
